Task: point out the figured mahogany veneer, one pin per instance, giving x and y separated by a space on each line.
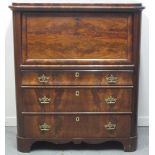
76 73
66 126
58 36
78 77
89 100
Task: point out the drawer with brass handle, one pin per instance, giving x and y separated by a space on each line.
43 125
85 99
77 77
67 126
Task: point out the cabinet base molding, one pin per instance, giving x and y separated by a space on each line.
129 144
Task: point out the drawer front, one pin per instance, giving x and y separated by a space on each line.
77 77
76 38
77 126
77 100
38 126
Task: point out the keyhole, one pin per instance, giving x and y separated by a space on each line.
77 119
77 21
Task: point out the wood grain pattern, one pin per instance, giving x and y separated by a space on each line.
86 77
17 57
59 40
65 126
53 38
72 7
89 100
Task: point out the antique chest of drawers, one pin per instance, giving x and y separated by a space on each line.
76 68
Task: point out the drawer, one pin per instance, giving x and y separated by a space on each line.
77 99
77 38
77 77
77 126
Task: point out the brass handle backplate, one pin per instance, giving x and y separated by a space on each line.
110 100
44 127
111 79
44 100
43 79
110 126
77 93
77 119
77 74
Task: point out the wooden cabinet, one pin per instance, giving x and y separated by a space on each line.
76 73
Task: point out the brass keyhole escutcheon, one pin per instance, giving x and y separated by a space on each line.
77 74
77 93
77 119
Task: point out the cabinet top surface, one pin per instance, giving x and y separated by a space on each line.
76 6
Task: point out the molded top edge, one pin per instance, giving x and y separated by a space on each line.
76 6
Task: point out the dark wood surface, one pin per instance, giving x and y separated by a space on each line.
89 100
68 38
76 47
66 126
78 77
98 7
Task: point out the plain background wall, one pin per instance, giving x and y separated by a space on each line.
10 106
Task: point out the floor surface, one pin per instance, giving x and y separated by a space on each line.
82 149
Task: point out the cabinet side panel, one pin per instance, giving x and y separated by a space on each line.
136 49
17 57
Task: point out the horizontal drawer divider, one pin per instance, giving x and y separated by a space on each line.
83 70
80 138
62 67
72 113
75 86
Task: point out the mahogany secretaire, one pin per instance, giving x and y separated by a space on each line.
76 68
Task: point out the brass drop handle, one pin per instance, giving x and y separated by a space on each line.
44 127
111 79
110 100
44 100
77 74
110 126
43 79
77 119
77 93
